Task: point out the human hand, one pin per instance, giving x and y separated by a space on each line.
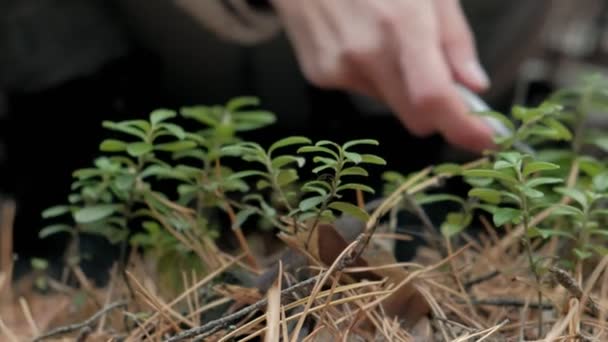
406 53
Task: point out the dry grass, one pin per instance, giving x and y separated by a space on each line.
481 291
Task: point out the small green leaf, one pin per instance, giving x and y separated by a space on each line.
55 211
54 229
160 115
582 255
490 174
280 161
602 143
287 176
360 142
479 182
505 215
179 132
176 146
314 149
530 193
321 168
434 198
500 117
543 181
353 157
297 140
311 202
354 171
575 194
124 128
112 145
548 233
600 181
512 157
242 216
252 120
355 186
246 173
563 133
262 184
242 101
138 149
449 168
537 166
489 195
567 210
502 164
372 159
350 209
455 223
39 264
94 213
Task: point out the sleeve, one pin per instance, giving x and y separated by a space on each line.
246 22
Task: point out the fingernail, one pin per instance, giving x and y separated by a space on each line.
479 74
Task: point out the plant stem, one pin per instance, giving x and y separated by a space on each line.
232 216
533 268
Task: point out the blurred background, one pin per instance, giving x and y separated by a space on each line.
66 65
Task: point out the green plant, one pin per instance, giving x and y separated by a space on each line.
165 189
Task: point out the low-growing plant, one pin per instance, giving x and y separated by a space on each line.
169 190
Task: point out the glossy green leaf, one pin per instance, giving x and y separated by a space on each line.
112 145
286 177
455 223
55 211
354 171
600 181
322 168
176 146
246 173
242 101
602 143
318 149
355 186
94 213
242 216
434 198
296 140
489 195
123 128
252 120
505 215
530 192
160 115
575 194
353 157
350 209
179 132
449 168
54 229
138 149
502 164
372 159
351 143
311 202
537 166
500 117
490 174
543 181
280 161
563 133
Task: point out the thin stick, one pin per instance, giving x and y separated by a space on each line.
87 323
6 248
218 324
28 316
7 332
482 278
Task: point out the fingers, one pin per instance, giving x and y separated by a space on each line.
459 45
432 93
